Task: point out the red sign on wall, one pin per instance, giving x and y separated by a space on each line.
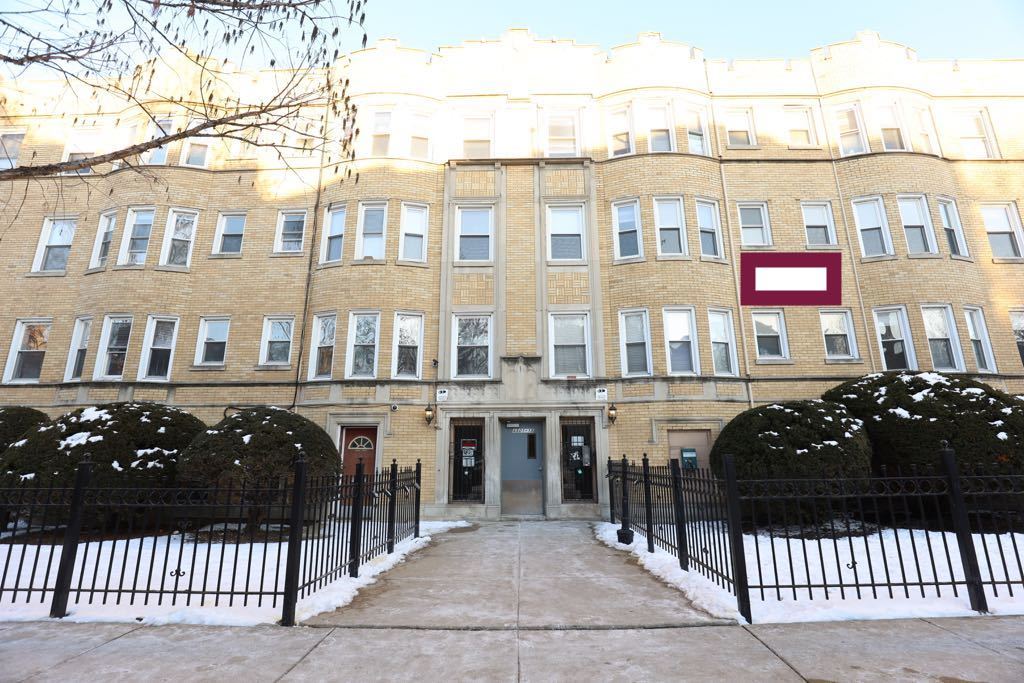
794 279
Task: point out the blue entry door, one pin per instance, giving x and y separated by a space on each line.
522 468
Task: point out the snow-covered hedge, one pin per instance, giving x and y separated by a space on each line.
797 439
257 444
131 444
908 415
15 421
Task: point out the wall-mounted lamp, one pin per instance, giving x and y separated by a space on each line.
613 413
428 413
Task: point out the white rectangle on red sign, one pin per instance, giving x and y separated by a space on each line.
790 279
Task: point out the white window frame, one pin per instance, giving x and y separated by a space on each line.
991 147
325 236
901 126
924 127
719 242
830 224
350 343
268 321
586 341
669 121
186 148
76 344
1013 217
314 348
635 203
628 110
748 114
979 327
766 227
218 237
929 228
415 118
165 247
684 248
201 341
489 116
907 338
44 239
106 218
12 131
691 313
582 232
886 234
574 114
851 333
279 232
623 360
812 133
455 346
404 231
375 132
733 351
155 131
957 226
12 353
79 142
102 349
858 117
147 348
783 337
1017 314
126 235
954 337
490 232
702 119
363 208
419 347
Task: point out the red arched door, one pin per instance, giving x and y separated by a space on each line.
358 443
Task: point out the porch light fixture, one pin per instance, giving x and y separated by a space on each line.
613 413
428 413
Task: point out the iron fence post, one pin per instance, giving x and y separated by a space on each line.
625 535
294 558
682 546
648 510
66 569
419 474
611 491
355 539
964 540
392 505
736 550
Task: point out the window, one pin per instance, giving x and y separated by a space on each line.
371 229
1003 228
917 225
837 330
157 129
291 229
54 245
472 348
179 237
194 151
117 331
660 132
668 221
419 140
851 132
322 361
104 237
628 242
723 345
818 224
754 228
476 137
681 341
570 348
708 226
739 128
975 134
894 339
475 225
951 226
212 342
891 130
565 233
381 133
561 138
25 360
770 335
79 348
363 331
695 128
158 349
620 135
334 235
138 227
10 149
414 232
1017 325
408 339
800 127
276 344
925 139
83 144
873 228
635 343
230 230
977 331
940 329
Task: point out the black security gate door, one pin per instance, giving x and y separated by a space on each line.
467 464
578 460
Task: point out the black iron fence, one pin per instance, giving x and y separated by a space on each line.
927 534
271 543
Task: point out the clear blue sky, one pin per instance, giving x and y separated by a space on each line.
723 28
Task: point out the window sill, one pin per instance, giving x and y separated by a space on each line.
873 259
132 266
674 257
404 379
287 254
566 262
154 380
47 273
361 378
97 269
1007 259
473 264
329 264
575 378
924 256
806 147
823 247
844 361
208 368
743 146
173 269
965 259
21 382
757 247
412 264
628 259
229 255
319 380
368 262
775 361
273 368
714 259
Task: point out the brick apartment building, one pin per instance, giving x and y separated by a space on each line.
539 264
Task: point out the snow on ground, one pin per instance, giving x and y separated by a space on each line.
229 612
869 554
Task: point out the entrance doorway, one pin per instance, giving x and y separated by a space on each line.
522 468
579 465
358 443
